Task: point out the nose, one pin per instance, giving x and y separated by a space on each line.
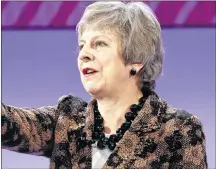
86 54
85 57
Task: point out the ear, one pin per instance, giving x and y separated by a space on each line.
137 66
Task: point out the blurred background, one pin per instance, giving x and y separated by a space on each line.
39 60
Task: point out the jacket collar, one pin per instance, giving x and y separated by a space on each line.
146 120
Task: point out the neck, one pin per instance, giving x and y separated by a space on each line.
113 108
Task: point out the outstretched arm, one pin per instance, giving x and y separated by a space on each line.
28 130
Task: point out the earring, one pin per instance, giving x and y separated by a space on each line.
133 71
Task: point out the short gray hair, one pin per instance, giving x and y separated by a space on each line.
139 30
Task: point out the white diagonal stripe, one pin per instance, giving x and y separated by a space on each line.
75 15
154 5
11 12
214 20
46 12
185 12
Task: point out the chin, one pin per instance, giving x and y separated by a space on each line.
95 91
92 91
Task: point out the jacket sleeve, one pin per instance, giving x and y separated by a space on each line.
187 144
28 130
194 144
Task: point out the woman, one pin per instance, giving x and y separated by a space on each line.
125 123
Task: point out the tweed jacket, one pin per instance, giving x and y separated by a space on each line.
160 137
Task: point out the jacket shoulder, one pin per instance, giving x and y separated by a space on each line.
182 117
71 104
184 136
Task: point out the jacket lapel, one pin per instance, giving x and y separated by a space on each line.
89 120
85 154
146 122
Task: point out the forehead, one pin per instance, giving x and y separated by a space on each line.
92 33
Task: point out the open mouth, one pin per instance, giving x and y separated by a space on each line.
88 71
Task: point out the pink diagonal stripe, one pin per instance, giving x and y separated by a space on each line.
202 14
28 13
167 11
12 12
61 17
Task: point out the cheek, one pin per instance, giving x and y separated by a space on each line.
114 67
106 61
79 65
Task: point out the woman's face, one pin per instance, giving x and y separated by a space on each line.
100 62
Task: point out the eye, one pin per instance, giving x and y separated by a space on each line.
100 43
80 47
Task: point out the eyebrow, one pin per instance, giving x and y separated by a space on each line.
95 37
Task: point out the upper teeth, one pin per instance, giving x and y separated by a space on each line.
90 71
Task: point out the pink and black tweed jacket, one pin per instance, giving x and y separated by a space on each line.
162 138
